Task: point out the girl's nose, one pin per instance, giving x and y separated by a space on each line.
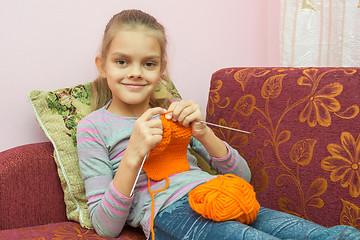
135 73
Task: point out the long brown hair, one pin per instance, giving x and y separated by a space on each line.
130 19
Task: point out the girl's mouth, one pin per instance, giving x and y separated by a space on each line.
134 86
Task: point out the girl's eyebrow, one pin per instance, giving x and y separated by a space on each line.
153 57
118 54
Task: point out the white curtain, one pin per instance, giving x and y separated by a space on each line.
320 33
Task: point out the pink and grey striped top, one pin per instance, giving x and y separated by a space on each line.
102 138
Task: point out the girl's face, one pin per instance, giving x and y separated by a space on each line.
133 69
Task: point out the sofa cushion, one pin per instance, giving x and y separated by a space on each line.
30 190
58 113
66 230
304 146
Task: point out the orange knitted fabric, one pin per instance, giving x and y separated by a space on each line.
224 198
169 156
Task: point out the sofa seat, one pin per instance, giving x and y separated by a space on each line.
32 203
64 230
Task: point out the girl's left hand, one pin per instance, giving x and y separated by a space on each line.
188 113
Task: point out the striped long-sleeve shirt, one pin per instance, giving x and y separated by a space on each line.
102 138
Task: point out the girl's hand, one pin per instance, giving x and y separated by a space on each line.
188 113
147 133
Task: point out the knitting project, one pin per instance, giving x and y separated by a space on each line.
224 198
167 158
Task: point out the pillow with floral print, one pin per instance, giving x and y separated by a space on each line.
58 113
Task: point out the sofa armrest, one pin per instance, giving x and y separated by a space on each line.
30 189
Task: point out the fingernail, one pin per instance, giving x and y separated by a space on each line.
168 116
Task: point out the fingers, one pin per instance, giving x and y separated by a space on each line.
185 112
146 116
152 124
147 132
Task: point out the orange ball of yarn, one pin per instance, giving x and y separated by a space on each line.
224 198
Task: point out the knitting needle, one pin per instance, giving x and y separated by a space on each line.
137 177
234 129
213 124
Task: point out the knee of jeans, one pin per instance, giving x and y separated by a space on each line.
339 232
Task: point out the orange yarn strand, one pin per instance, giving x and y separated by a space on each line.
167 158
224 198
153 204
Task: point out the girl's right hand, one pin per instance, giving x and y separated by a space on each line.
147 133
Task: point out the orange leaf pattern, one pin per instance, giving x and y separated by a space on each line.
66 231
38 238
231 137
243 75
272 87
214 98
259 179
295 116
302 151
245 105
317 188
287 205
350 214
74 232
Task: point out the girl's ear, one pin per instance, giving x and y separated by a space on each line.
100 65
163 66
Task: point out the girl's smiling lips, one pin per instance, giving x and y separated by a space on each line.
134 86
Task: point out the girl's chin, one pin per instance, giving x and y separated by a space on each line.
132 100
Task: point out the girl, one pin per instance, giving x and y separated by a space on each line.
114 140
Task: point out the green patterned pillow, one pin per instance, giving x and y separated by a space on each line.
58 113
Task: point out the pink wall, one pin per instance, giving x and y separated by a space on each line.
51 44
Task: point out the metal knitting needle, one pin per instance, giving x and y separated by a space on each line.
216 125
213 124
137 177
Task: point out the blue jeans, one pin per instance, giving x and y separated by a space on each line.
179 221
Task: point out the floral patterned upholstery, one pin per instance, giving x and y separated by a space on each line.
65 231
304 146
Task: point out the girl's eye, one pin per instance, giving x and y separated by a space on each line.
150 64
121 62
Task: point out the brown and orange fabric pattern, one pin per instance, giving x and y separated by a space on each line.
304 146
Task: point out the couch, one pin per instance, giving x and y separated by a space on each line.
304 146
303 151
32 200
